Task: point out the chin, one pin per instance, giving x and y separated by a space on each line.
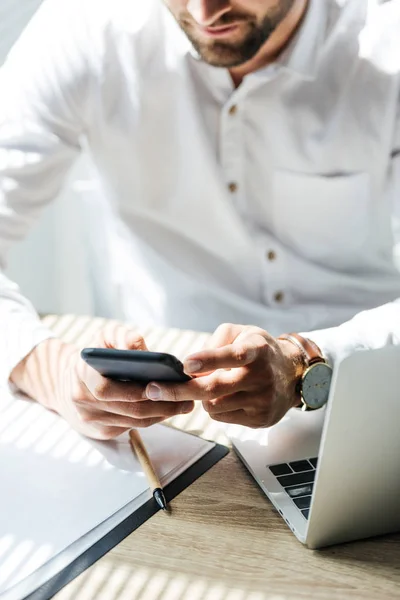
222 57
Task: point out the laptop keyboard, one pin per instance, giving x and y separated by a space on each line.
297 478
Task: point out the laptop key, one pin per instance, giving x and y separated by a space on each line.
306 512
304 490
303 502
282 469
314 462
296 479
301 465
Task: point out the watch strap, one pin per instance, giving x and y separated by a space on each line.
311 354
309 349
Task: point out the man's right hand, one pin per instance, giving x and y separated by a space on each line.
55 375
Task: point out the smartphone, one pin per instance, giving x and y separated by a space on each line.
135 365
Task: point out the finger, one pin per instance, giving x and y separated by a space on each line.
103 432
120 337
260 413
241 417
140 410
224 334
126 339
220 383
231 403
251 343
100 419
108 390
238 354
112 336
237 417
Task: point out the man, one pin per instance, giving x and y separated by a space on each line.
249 151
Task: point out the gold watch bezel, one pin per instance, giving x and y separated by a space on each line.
304 406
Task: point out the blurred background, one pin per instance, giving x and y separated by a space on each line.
65 280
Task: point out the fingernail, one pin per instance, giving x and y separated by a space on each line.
187 408
193 366
153 392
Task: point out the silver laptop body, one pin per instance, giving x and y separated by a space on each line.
354 491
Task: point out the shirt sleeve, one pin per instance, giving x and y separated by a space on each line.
370 329
378 327
44 90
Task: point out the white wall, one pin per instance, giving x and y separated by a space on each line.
49 265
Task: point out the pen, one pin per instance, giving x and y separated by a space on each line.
139 449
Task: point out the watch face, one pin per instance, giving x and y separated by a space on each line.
316 385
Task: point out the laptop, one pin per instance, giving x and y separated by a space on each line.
334 474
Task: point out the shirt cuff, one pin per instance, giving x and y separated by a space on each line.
20 336
368 330
334 344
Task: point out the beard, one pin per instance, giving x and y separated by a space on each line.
229 54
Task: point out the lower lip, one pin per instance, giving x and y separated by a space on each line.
222 32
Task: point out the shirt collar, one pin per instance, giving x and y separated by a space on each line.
301 55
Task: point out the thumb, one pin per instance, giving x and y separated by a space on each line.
121 337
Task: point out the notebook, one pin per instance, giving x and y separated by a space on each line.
66 500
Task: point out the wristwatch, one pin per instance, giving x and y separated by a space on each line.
315 382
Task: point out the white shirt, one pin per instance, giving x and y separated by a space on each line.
272 204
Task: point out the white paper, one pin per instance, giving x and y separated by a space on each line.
61 492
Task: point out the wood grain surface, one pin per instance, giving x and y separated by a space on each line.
224 540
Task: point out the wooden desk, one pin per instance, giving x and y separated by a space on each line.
225 541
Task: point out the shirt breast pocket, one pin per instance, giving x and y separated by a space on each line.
325 218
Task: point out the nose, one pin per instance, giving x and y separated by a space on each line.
207 12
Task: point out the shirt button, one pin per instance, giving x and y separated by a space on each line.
271 255
233 110
279 297
232 187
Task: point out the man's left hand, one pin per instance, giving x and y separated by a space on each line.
245 376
